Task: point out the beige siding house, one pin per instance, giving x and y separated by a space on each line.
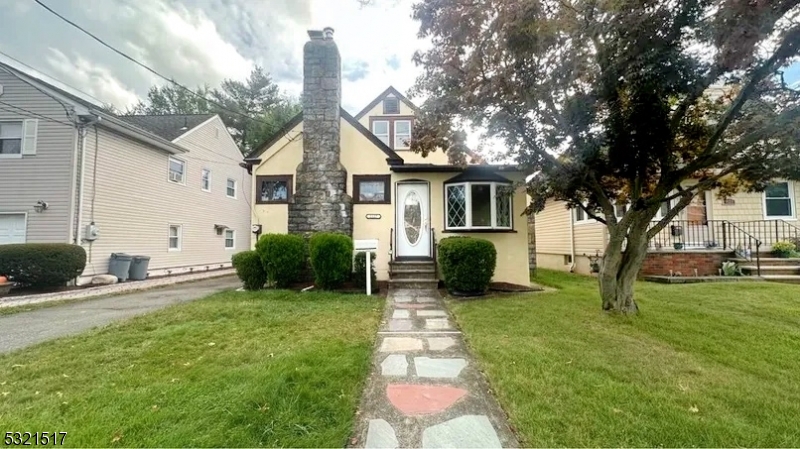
328 170
167 187
568 240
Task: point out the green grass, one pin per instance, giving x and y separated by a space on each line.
235 369
702 365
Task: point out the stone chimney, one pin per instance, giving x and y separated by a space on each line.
321 202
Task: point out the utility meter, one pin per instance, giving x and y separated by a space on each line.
92 232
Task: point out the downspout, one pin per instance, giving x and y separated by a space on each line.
572 241
73 187
83 130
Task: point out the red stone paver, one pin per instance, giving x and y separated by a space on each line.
415 400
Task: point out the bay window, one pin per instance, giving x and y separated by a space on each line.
478 205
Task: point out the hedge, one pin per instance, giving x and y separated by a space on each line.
283 257
331 259
360 268
250 269
42 264
467 264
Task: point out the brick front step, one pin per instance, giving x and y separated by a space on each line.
414 274
769 261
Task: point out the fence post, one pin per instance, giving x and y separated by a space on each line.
369 273
724 235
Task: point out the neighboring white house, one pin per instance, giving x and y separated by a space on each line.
169 187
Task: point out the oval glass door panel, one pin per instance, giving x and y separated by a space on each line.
412 217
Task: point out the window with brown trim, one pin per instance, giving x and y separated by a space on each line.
391 105
372 189
273 189
394 131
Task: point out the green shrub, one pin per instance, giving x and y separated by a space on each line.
283 257
250 269
42 264
467 263
360 268
331 258
784 249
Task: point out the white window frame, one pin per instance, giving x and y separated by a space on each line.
388 131
581 221
235 188
468 204
399 145
205 175
233 238
179 237
792 213
169 170
21 124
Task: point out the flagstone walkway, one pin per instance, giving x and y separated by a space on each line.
425 389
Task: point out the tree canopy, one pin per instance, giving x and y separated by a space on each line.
257 97
644 102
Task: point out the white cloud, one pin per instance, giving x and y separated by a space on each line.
97 81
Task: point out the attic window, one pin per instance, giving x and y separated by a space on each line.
391 105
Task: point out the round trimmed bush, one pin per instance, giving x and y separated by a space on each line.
360 269
283 257
467 264
784 249
42 264
331 258
250 269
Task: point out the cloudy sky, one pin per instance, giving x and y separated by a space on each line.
206 41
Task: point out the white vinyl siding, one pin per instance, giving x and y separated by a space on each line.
46 176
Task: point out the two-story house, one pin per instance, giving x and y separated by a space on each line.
327 170
168 187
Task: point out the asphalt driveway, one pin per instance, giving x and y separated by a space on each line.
24 329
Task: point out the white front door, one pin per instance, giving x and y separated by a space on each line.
12 228
413 228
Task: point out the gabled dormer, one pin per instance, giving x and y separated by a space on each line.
390 117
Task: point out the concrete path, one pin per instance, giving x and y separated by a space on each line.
28 328
425 389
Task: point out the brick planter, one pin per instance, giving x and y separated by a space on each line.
685 262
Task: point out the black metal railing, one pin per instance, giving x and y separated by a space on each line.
433 252
770 231
391 250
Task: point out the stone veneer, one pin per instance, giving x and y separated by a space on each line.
320 201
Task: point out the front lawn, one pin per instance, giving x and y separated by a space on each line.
271 368
702 365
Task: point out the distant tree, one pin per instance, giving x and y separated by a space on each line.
257 97
608 102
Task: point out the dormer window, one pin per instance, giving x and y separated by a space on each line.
395 131
391 105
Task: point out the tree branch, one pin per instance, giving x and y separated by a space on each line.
592 215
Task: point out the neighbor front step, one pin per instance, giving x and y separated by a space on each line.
772 269
414 274
769 261
782 278
431 284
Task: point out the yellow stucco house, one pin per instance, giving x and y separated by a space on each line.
328 170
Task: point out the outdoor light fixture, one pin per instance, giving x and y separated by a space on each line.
40 206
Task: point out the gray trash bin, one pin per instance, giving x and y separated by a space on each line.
138 271
119 265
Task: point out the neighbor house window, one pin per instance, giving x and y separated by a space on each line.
581 216
231 188
175 237
11 139
391 105
372 188
177 170
402 133
779 200
230 239
381 130
273 189
478 205
205 180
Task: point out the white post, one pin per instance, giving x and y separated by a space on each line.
369 272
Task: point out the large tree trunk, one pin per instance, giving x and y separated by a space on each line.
621 267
